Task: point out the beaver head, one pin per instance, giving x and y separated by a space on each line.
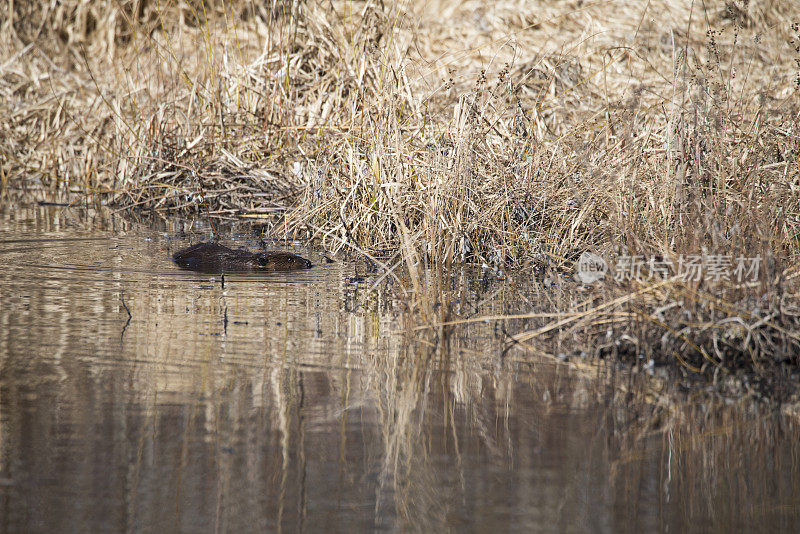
280 261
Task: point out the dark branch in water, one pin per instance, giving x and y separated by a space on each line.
125 306
128 311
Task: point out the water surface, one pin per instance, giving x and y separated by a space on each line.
135 396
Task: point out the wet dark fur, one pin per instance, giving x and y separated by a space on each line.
213 258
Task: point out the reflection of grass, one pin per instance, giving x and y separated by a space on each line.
512 137
292 406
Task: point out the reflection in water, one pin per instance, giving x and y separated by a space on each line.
292 401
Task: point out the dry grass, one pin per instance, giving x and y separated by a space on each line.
516 135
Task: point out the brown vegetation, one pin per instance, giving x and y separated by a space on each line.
515 135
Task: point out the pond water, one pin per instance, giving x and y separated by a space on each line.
135 396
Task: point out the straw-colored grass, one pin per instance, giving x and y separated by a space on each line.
512 134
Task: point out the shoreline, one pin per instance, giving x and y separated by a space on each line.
518 139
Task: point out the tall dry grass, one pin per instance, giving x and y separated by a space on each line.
516 135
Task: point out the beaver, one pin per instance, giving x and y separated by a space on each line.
213 258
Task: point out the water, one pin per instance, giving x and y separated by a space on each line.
298 402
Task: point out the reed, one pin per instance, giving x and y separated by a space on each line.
434 134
